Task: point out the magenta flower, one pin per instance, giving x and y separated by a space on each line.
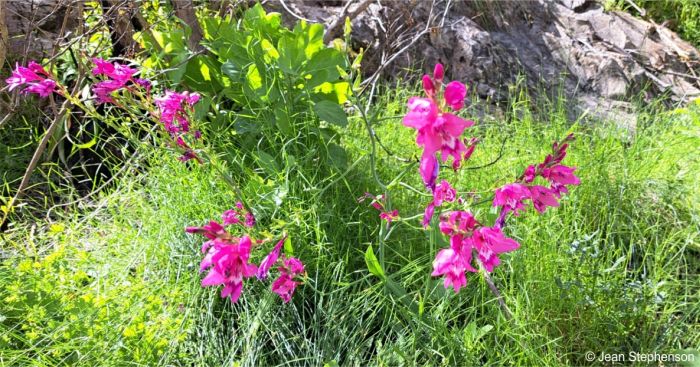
561 175
458 222
511 197
437 129
389 216
489 243
543 197
378 202
118 76
174 108
270 259
228 266
285 284
36 78
443 192
529 174
213 230
230 217
238 216
455 92
438 73
452 265
114 71
249 220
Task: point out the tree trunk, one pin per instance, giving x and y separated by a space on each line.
184 9
3 33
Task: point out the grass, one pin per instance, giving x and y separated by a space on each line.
614 269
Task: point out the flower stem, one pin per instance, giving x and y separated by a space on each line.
495 291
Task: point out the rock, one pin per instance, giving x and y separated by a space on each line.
35 26
574 45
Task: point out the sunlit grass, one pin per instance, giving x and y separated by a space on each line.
615 268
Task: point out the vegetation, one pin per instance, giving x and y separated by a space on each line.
114 277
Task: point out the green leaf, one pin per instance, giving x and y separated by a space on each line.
288 249
253 77
331 112
231 70
373 264
87 145
338 156
267 162
282 120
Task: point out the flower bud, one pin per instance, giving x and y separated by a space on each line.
428 86
438 73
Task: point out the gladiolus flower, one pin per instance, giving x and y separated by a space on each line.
378 203
543 197
443 192
561 175
511 197
489 243
35 77
455 92
228 266
438 73
270 259
285 284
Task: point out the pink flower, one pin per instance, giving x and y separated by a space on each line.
452 266
443 192
43 88
173 108
228 266
561 175
270 259
285 284
428 86
118 76
453 262
428 214
455 92
34 76
511 197
438 130
529 174
213 230
114 71
458 222
489 243
543 197
240 216
230 217
249 220
378 203
389 216
438 73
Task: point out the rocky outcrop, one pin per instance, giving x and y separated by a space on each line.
36 26
600 59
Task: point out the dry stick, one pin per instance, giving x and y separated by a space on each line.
495 291
35 158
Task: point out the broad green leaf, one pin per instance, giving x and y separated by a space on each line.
331 112
373 264
282 120
253 77
267 162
